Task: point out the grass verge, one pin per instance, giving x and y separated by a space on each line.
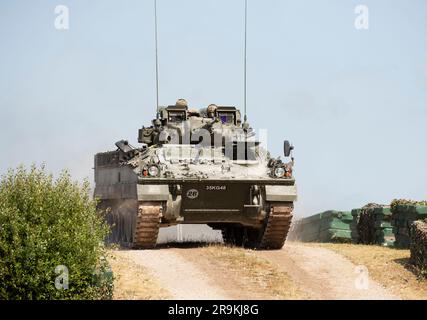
133 282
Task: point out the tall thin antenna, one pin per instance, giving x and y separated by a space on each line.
157 58
245 67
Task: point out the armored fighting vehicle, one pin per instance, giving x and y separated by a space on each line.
196 167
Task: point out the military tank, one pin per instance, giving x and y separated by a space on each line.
196 167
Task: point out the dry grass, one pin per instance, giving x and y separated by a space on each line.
250 276
133 282
388 266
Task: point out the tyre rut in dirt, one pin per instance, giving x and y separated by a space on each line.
147 225
277 227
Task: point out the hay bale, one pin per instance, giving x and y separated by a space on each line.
418 244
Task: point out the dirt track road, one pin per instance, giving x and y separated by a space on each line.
324 274
181 278
314 273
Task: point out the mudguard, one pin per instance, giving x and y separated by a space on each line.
150 192
281 193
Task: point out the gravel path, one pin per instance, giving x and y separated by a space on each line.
183 279
324 274
319 272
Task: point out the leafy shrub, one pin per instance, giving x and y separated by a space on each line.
46 223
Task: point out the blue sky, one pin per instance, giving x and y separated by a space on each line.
353 102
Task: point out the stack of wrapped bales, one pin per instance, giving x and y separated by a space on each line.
365 225
418 245
335 226
383 229
374 225
328 226
404 213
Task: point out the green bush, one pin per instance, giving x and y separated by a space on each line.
46 223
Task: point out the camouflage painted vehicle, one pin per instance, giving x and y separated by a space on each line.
196 167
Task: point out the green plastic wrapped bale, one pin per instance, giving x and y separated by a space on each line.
387 232
334 224
309 228
335 220
339 215
316 227
312 219
385 236
421 210
404 213
335 235
333 214
374 225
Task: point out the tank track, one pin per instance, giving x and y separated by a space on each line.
277 227
147 225
272 236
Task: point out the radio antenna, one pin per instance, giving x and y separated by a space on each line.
157 58
245 124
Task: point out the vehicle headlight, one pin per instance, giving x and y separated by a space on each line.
279 172
153 171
